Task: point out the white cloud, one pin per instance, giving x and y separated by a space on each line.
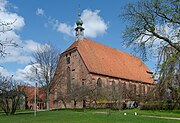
3 3
169 30
15 21
20 75
165 30
22 55
30 45
16 55
8 17
40 11
66 29
19 55
27 74
5 72
94 24
10 35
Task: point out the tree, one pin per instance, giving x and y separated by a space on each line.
154 25
9 95
4 28
170 74
148 21
75 92
103 95
44 65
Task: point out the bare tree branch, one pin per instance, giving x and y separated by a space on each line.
45 62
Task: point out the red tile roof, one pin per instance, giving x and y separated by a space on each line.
29 92
101 59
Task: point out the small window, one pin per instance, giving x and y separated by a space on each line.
68 60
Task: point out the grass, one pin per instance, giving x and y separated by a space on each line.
161 113
91 116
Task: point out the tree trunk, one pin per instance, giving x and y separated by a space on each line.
47 100
75 103
64 103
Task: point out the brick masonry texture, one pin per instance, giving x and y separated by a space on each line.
89 61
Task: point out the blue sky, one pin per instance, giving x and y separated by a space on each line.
42 21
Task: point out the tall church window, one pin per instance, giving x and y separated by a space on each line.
124 90
134 89
99 83
99 86
143 89
119 86
113 86
148 89
140 89
68 80
113 90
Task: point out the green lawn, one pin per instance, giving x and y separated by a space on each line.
91 116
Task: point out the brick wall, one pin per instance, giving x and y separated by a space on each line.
80 75
78 71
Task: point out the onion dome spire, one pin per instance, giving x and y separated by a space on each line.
79 29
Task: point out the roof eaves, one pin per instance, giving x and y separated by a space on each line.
70 50
83 61
122 78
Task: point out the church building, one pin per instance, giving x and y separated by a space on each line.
90 73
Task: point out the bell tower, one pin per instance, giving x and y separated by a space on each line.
79 29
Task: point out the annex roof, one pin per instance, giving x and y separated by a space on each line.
29 92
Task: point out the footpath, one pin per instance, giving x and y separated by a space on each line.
170 118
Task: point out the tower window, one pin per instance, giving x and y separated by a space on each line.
68 60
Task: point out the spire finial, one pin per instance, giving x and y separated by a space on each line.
79 14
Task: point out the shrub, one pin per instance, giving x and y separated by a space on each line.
160 106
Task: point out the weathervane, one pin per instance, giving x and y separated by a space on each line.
79 14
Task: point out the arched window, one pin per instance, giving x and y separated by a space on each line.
113 85
113 90
124 90
140 89
143 90
99 82
99 86
68 80
134 89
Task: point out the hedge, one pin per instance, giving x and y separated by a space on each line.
160 106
